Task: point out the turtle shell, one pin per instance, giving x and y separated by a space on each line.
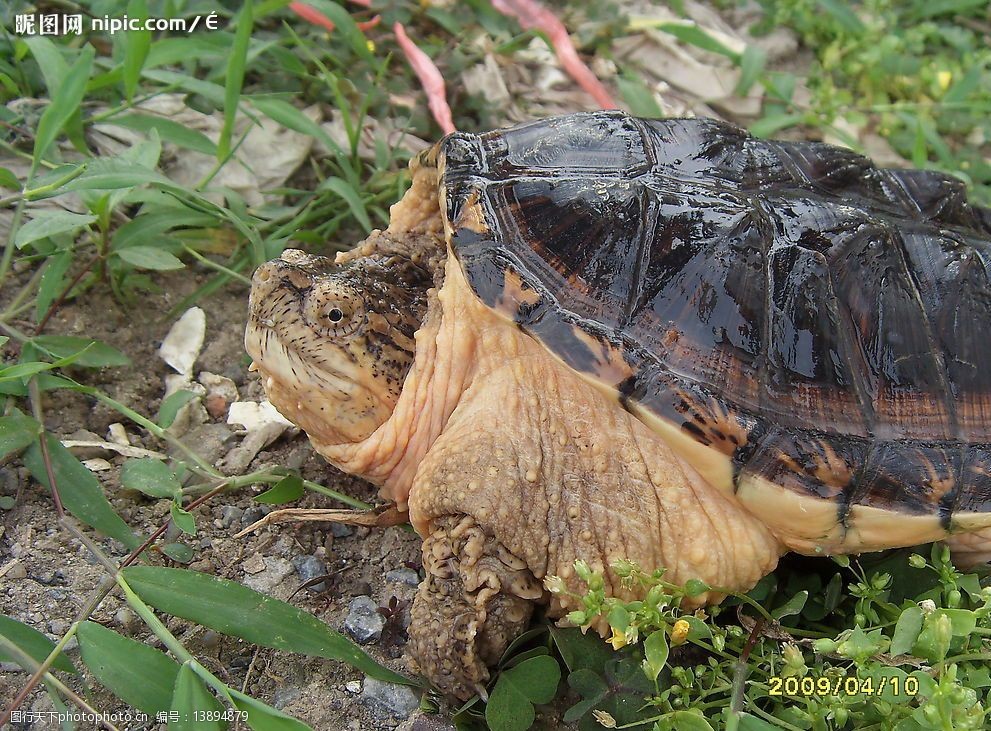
808 330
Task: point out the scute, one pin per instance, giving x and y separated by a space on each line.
805 318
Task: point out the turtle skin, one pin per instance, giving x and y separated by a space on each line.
814 323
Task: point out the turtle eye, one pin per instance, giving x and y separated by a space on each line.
335 314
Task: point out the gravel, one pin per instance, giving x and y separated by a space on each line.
404 576
389 699
364 623
310 567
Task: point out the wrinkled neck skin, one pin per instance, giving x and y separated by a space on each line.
448 358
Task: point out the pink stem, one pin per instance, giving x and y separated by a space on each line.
532 14
430 77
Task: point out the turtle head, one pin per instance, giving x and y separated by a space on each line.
334 339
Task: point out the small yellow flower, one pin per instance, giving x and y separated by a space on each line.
618 639
371 45
943 78
679 633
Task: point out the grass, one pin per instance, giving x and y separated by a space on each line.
915 73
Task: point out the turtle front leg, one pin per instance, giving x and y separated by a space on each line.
476 598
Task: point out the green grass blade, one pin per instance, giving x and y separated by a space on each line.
139 675
235 78
46 224
190 695
262 717
345 23
233 609
168 130
17 431
64 104
85 352
50 60
136 44
351 197
32 642
80 491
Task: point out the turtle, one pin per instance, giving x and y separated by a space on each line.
606 338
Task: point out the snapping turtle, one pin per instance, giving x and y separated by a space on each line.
603 337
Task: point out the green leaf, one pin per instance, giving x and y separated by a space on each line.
907 630
64 103
350 195
236 63
136 46
286 490
510 706
80 491
843 15
189 696
46 224
148 257
97 354
139 675
8 180
751 64
962 621
114 173
32 642
171 405
638 97
750 722
792 606
178 552
687 721
17 431
655 654
345 23
50 60
262 717
289 116
770 124
236 610
580 650
692 34
52 282
168 130
150 476
696 587
183 520
212 92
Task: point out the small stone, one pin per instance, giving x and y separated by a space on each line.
254 564
230 515
421 721
209 441
353 686
285 695
275 572
16 571
340 530
364 623
210 639
403 576
254 514
389 699
124 617
117 434
310 567
57 627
